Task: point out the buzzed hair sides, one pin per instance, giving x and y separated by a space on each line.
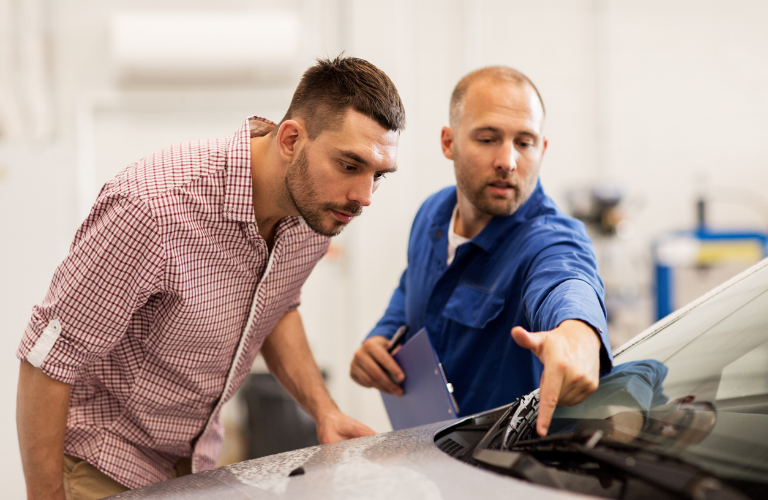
497 74
329 88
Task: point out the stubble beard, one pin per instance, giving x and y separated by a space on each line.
475 189
301 193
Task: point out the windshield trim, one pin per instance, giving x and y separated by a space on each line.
684 310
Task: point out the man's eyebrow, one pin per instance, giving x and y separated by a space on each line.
498 131
389 170
357 159
354 157
486 129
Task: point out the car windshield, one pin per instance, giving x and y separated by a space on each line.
697 388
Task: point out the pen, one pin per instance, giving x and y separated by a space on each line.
397 338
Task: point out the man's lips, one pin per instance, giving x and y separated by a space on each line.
344 217
501 187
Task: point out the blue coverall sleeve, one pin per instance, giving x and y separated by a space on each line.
394 316
562 283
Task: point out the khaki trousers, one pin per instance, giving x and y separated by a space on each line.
83 481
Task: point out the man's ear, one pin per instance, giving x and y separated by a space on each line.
288 137
446 141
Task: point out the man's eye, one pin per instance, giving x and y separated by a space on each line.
525 144
484 140
349 168
378 176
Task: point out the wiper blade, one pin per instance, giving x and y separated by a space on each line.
517 423
523 419
519 464
672 475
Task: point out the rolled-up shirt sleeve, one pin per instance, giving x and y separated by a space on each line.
114 265
563 284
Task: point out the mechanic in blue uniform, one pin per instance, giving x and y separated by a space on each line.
492 253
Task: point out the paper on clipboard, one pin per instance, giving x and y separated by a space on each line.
426 397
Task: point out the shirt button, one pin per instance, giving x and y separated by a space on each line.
439 234
252 227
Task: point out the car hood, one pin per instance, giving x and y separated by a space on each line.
400 464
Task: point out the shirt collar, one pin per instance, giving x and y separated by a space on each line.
497 228
238 201
453 237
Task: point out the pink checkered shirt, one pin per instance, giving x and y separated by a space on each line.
158 311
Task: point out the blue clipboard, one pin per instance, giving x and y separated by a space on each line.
427 395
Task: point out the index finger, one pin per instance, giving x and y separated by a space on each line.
549 395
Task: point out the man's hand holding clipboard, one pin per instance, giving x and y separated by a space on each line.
374 366
428 397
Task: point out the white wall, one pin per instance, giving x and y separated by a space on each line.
661 97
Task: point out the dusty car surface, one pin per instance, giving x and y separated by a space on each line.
683 414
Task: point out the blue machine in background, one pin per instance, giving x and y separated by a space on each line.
701 248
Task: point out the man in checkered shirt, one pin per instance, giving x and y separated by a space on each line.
189 264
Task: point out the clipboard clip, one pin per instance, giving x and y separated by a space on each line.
449 386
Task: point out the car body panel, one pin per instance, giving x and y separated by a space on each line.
400 464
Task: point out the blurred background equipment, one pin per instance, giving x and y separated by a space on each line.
599 209
608 216
262 419
275 423
689 263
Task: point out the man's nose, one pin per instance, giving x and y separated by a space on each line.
506 157
362 191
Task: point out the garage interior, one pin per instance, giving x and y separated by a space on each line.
657 118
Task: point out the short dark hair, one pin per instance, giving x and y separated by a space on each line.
332 86
498 74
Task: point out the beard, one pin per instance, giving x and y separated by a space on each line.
301 191
475 189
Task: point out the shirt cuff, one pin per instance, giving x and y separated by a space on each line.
43 346
383 331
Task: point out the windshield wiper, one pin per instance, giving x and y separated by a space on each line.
535 460
519 464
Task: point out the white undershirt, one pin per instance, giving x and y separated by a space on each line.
454 240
